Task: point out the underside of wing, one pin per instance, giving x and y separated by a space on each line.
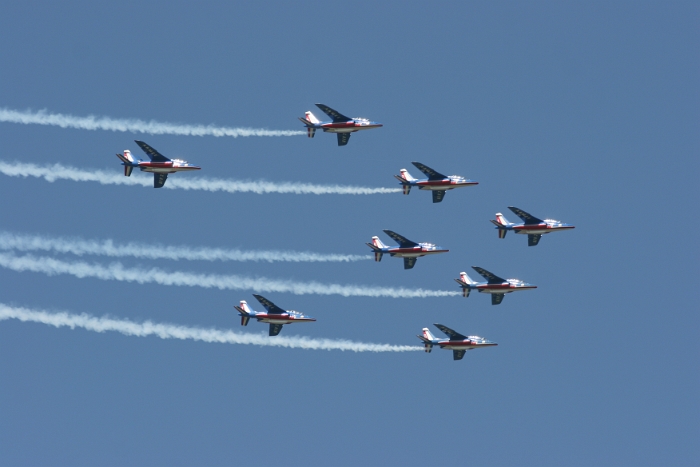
533 240
431 174
458 354
159 180
438 195
526 217
497 298
275 329
451 333
334 114
489 276
269 306
403 241
154 155
343 139
408 263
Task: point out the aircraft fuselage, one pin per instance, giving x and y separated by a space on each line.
446 184
347 127
171 166
501 288
539 229
415 252
274 318
464 345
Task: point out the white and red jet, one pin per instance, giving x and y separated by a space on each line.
276 316
436 182
532 226
340 124
457 343
496 286
159 165
408 250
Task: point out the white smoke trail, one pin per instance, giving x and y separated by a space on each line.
79 246
116 271
173 331
91 122
55 172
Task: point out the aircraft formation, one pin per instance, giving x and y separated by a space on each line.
437 183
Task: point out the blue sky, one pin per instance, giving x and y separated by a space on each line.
585 112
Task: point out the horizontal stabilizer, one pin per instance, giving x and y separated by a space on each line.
128 169
378 256
502 233
244 320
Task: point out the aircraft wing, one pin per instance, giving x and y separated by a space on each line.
458 354
343 139
497 298
270 307
275 329
334 114
432 175
526 217
489 276
533 240
451 333
408 263
403 241
159 180
438 195
154 155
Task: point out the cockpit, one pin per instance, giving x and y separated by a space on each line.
456 177
429 246
179 161
552 221
515 281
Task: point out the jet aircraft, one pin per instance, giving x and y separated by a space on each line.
408 250
159 165
496 286
340 124
276 316
532 226
458 343
436 182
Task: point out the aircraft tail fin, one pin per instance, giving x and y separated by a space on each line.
427 339
465 281
501 220
245 312
377 246
407 176
127 159
501 223
311 117
377 242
